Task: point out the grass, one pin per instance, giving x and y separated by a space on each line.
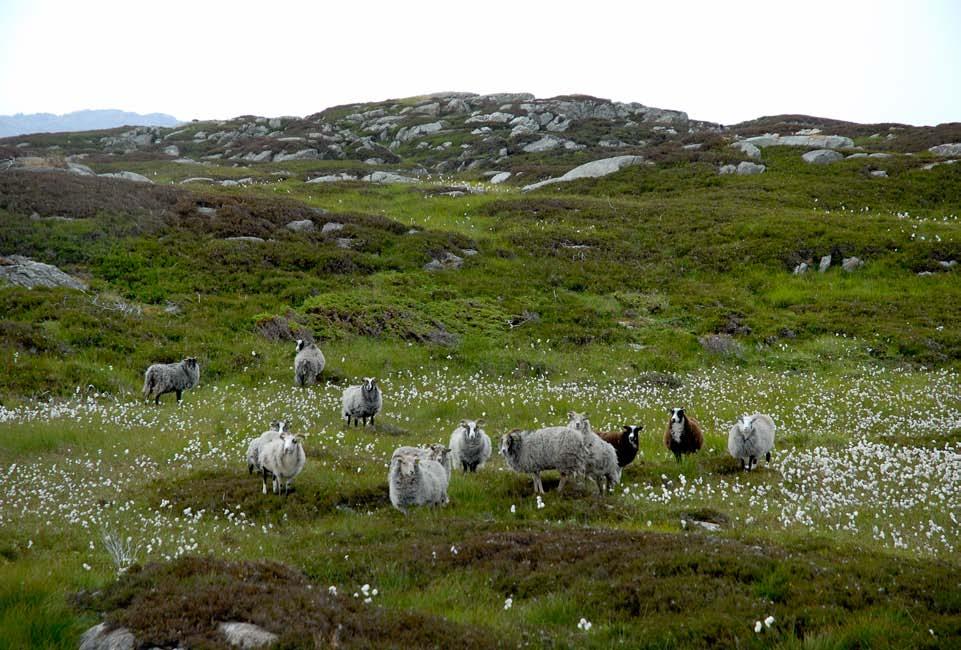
589 296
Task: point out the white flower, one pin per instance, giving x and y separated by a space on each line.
453 550
584 624
758 627
508 603
769 621
513 508
86 567
332 590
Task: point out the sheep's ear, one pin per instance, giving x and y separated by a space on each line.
570 415
627 428
463 423
480 422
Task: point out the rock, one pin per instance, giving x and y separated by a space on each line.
952 149
331 226
186 161
746 168
558 124
252 240
303 154
246 635
344 242
857 155
850 264
524 125
172 150
497 118
445 262
500 177
80 170
724 170
24 272
262 156
821 156
197 179
275 122
409 133
879 173
235 183
468 252
546 143
389 177
593 169
882 155
820 141
377 161
207 212
720 344
333 178
100 638
933 165
801 268
302 225
747 149
825 264
128 176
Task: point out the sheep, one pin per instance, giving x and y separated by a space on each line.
163 378
282 458
277 427
602 466
751 437
625 442
308 363
436 451
416 481
532 452
683 434
362 402
470 446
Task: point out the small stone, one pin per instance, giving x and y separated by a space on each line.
302 225
246 635
332 226
850 264
825 264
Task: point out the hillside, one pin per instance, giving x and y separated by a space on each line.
500 257
21 123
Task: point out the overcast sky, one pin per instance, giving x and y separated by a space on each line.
719 61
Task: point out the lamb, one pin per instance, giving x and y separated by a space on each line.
436 451
163 378
751 437
602 465
308 363
277 427
683 434
532 452
282 458
416 481
362 402
470 446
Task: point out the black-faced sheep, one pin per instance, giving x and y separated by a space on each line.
308 363
362 402
470 446
416 481
532 452
751 437
163 378
683 434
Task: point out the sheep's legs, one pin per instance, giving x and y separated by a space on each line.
538 486
560 486
180 395
264 479
768 457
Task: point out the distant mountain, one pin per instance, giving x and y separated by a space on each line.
79 121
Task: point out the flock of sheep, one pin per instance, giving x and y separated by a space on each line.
420 475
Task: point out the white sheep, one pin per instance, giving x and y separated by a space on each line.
602 465
470 446
283 458
532 452
436 451
308 363
751 437
416 481
277 427
362 402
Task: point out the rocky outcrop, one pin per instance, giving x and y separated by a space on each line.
821 157
951 149
807 140
128 176
23 272
593 169
246 635
388 177
100 637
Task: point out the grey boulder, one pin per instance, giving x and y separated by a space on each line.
302 225
128 176
821 157
246 635
950 149
389 177
100 638
24 272
593 169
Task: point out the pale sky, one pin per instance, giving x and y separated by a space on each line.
895 61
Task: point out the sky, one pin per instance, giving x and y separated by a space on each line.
882 61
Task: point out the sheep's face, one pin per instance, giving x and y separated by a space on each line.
300 344
279 425
369 384
439 453
509 443
632 432
406 465
677 415
471 427
190 362
578 421
291 442
745 424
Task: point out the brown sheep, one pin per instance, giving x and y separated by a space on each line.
683 434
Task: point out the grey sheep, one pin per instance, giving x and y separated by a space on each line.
751 437
470 446
362 402
436 451
282 458
277 427
602 465
416 481
163 378
532 452
308 363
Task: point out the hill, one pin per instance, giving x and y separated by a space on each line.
87 120
499 257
